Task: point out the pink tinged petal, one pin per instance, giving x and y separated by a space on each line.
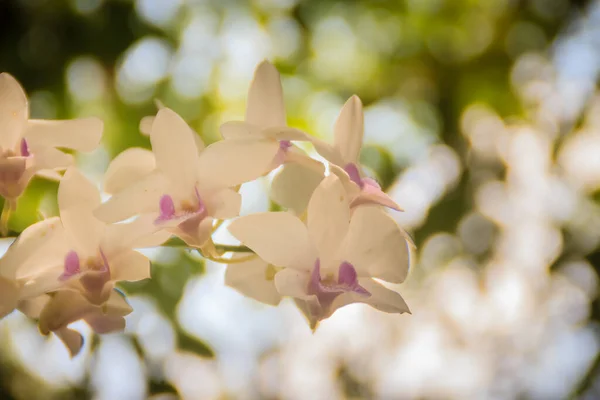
348 130
12 171
78 134
376 245
195 231
175 150
254 279
130 266
24 148
14 112
279 238
9 296
381 298
229 163
371 194
293 186
77 199
328 218
370 182
265 106
354 174
284 145
141 197
72 266
128 168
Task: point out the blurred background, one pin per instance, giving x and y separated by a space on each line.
482 121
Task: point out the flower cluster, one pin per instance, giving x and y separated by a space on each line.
329 249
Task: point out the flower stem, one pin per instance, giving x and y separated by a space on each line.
221 248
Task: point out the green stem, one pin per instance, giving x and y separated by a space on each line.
222 248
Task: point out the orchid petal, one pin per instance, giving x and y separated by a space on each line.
127 168
327 151
328 218
72 340
146 125
279 238
51 158
9 296
14 111
348 130
140 233
376 245
175 149
82 134
199 235
371 195
130 266
232 162
293 186
265 106
381 298
224 204
141 197
253 279
77 198
240 130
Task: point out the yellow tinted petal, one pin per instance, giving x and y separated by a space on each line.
348 130
265 107
224 204
14 112
127 168
254 279
9 296
130 266
78 134
279 238
293 186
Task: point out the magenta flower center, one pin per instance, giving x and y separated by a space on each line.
72 265
328 289
189 216
24 148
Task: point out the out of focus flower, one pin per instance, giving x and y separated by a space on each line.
24 272
265 129
96 255
29 146
56 311
332 260
173 186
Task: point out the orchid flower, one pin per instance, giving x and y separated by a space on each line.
265 127
96 255
175 187
31 265
29 147
332 260
344 154
56 311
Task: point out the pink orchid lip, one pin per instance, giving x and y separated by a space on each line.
72 266
371 192
24 147
189 220
327 292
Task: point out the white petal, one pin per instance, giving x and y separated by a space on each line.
175 150
239 130
232 162
294 283
127 168
327 151
14 112
381 298
285 133
348 130
78 134
77 199
265 106
141 197
141 232
376 245
328 218
224 204
130 266
33 249
9 296
293 186
253 278
49 174
279 238
49 158
146 125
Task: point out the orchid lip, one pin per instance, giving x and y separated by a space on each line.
24 147
167 211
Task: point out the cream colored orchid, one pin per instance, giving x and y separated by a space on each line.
264 130
255 279
344 157
97 255
174 186
332 260
29 147
31 265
